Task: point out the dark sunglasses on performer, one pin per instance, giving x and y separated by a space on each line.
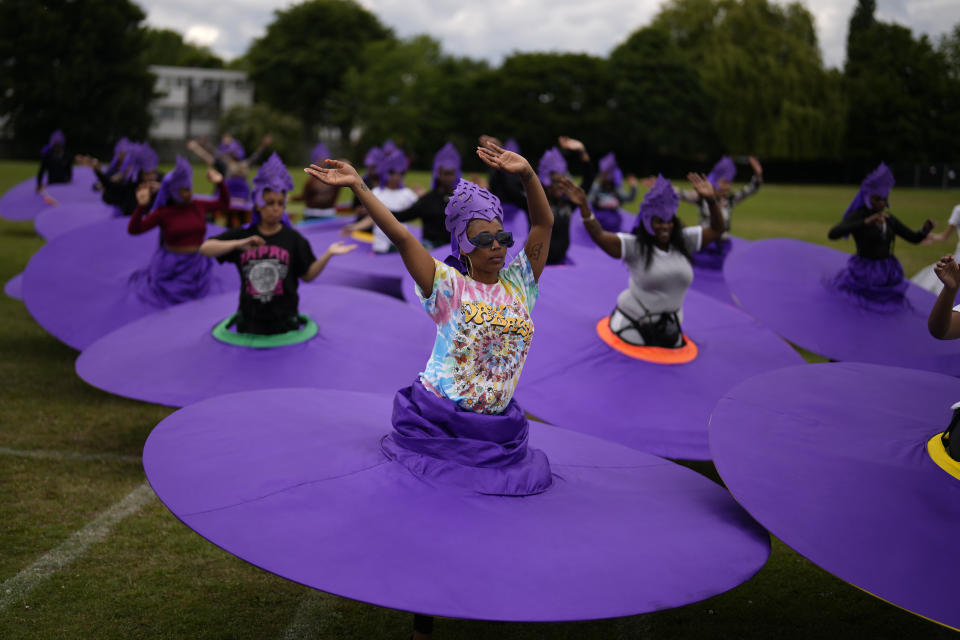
485 240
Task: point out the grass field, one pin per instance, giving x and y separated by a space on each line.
70 453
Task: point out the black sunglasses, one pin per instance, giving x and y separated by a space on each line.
485 240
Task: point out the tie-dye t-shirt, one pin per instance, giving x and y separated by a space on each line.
483 335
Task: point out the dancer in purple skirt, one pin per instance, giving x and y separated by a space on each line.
55 162
271 256
458 423
177 272
873 278
650 311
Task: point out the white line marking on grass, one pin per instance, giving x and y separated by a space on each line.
16 588
67 455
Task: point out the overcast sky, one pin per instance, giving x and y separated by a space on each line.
493 29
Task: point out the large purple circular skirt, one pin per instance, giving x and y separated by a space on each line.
788 286
573 377
875 284
81 285
365 341
832 459
294 481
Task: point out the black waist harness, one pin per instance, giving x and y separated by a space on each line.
663 332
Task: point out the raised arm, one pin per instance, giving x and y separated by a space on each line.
416 259
541 216
609 242
754 183
944 322
705 190
223 200
199 151
909 234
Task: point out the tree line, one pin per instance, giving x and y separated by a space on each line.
705 77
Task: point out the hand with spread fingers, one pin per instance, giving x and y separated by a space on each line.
700 184
948 271
497 157
334 172
575 194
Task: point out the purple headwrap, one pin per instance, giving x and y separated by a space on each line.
140 157
725 169
469 202
120 148
394 161
373 157
661 201
56 138
608 165
511 145
181 177
319 153
877 183
233 148
389 146
273 175
551 162
446 158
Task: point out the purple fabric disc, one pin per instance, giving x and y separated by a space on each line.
361 268
781 283
13 288
357 348
573 377
294 482
21 202
78 288
711 281
57 220
832 459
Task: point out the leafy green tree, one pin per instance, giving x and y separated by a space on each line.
73 65
299 64
412 92
660 107
903 99
167 47
250 124
760 65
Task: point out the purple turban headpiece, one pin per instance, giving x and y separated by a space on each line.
181 177
511 145
608 165
56 138
446 158
319 153
120 148
233 148
661 201
140 157
394 161
373 157
468 202
552 161
272 175
725 169
389 146
877 183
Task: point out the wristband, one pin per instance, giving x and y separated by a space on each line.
592 217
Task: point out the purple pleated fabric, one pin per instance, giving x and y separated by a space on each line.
785 284
55 221
708 269
832 459
13 287
173 278
439 442
361 268
573 377
366 341
877 285
294 482
22 202
579 235
78 287
238 187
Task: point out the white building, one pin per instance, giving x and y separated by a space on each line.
192 100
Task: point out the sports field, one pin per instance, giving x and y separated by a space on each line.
86 551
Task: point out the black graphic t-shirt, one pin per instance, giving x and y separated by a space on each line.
269 277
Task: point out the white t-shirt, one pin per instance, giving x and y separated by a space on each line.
395 200
662 287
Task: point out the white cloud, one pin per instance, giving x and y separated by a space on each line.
202 35
495 28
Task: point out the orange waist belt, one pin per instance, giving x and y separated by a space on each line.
658 355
